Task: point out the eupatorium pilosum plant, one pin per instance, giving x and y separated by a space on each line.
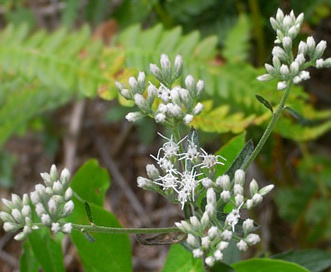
182 171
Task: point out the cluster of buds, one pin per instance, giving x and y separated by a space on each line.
165 103
51 201
178 172
285 67
208 236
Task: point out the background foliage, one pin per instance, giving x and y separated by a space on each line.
80 48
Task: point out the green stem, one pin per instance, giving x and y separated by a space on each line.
270 127
110 230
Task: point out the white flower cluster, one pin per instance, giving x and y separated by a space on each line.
208 236
179 171
164 103
285 67
52 202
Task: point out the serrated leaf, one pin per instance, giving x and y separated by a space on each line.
264 102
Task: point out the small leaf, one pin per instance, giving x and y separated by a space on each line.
294 113
264 102
88 212
88 237
241 158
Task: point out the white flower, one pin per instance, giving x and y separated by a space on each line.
188 119
210 261
218 255
67 228
252 239
197 253
242 245
160 118
55 227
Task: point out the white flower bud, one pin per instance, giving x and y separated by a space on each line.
257 199
319 63
195 222
68 194
304 75
210 261
249 204
205 242
133 116
143 182
176 111
310 45
67 208
184 226
223 182
287 43
160 118
53 172
204 220
239 199
151 93
197 109
275 25
126 94
226 235
66 228
155 70
284 70
141 82
226 196
297 80
294 31
65 176
319 50
253 187
200 87
52 206
17 215
248 225
141 102
190 83
165 62
265 190
178 66
152 171
119 86
206 182
20 236
252 239
211 196
57 187
223 245
46 219
197 253
10 226
133 83
210 209
270 69
47 179
300 59
213 232
40 210
6 217
192 240
294 68
188 119
55 227
239 177
281 85
26 211
238 189
287 21
242 245
327 63
276 62
218 255
299 19
265 77
279 15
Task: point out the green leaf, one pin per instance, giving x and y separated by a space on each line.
109 252
28 262
263 265
47 250
314 260
91 182
181 260
265 102
230 151
294 113
240 160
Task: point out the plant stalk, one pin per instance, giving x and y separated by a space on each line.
270 127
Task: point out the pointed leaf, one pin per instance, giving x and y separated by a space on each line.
264 102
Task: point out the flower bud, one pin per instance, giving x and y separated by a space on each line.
319 50
200 87
242 245
281 85
67 208
279 15
188 119
192 240
223 181
190 84
155 70
20 236
178 66
160 118
197 109
238 189
239 177
66 228
252 239
310 45
10 226
205 242
287 43
141 82
253 187
248 225
218 255
239 199
133 116
265 190
226 196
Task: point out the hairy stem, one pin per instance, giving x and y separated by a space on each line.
270 127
